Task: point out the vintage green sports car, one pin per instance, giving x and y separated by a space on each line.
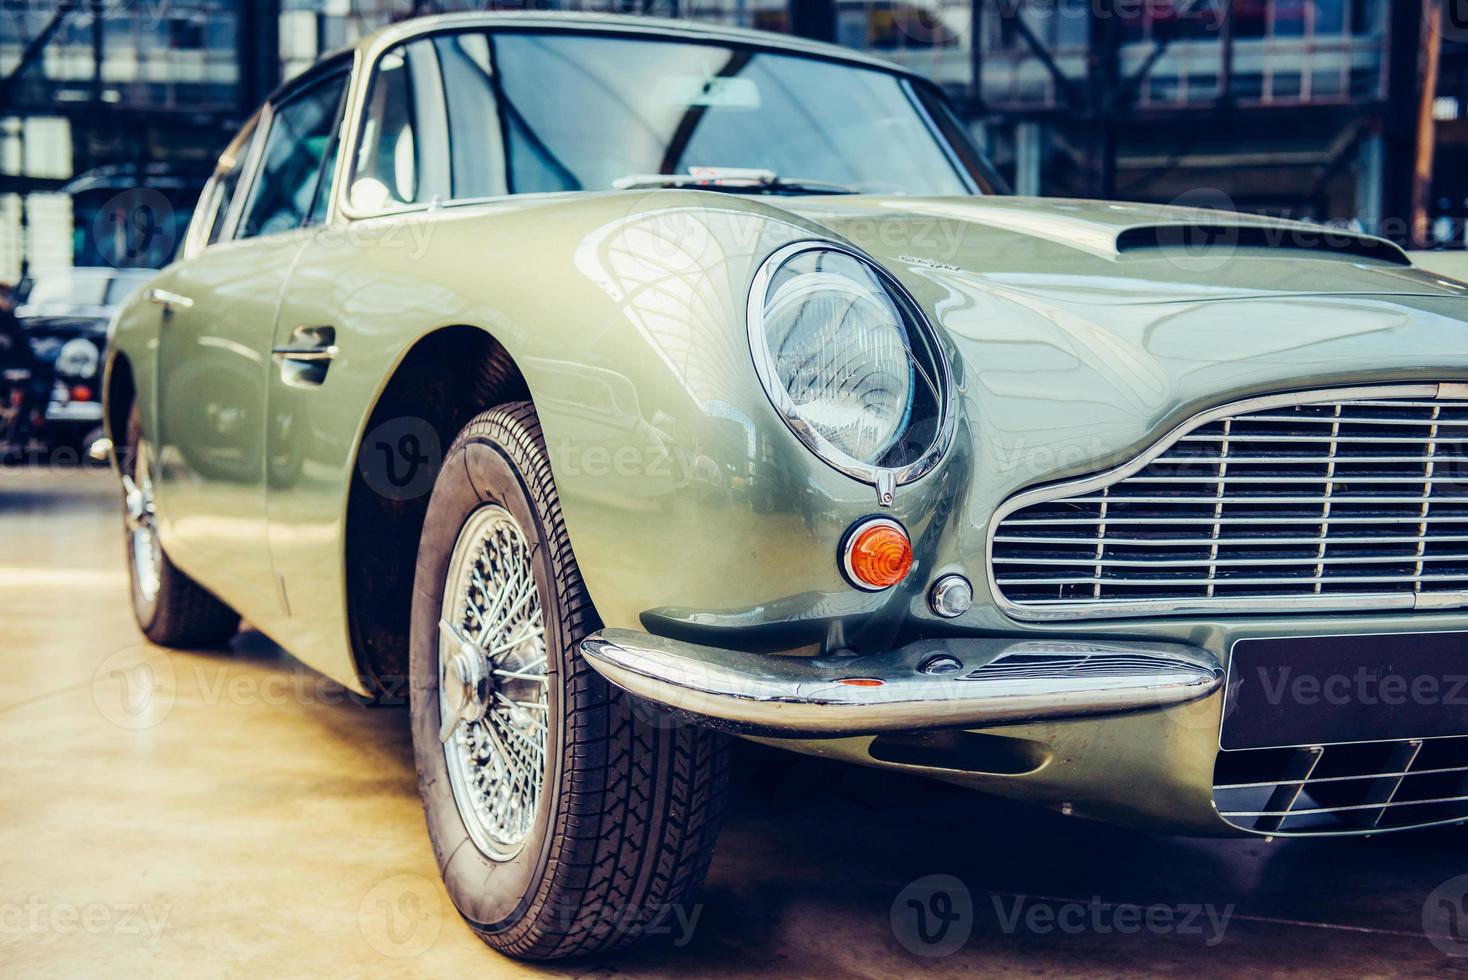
548 370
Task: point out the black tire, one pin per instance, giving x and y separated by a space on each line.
183 613
628 811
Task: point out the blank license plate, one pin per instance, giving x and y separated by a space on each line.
1325 690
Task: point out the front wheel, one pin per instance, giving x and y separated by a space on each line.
563 823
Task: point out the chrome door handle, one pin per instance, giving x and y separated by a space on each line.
167 300
304 355
306 358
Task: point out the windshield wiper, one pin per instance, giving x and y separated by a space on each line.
734 180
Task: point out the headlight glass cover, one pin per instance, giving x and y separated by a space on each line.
848 360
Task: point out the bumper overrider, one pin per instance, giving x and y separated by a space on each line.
924 685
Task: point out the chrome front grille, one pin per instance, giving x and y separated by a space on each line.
1343 499
1334 789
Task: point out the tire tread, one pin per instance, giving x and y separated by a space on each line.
643 803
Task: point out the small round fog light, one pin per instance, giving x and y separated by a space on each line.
951 596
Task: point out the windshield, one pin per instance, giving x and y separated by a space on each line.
470 115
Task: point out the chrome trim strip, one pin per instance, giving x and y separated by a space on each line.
1324 810
884 479
965 177
1348 831
74 412
235 209
197 234
1090 609
169 301
983 683
346 128
1317 780
304 355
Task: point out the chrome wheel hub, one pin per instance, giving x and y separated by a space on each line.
493 706
467 686
142 527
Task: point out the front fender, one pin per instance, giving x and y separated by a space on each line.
132 345
692 508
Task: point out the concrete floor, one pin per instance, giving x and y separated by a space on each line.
250 820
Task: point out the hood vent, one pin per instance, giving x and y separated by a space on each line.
1202 238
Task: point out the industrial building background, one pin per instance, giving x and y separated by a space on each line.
1340 111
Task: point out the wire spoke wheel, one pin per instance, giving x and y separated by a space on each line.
563 824
493 681
144 548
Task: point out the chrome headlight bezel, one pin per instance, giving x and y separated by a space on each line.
921 334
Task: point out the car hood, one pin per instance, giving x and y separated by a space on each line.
1079 333
1120 253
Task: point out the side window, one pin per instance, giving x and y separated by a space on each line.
221 192
299 142
473 108
403 154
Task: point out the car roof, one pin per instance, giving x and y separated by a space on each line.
573 22
595 23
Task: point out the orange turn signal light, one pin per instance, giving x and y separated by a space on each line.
877 554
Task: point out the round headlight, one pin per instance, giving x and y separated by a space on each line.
78 358
849 362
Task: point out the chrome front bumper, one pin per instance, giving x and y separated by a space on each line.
74 412
929 684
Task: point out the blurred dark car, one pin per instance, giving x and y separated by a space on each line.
131 217
65 317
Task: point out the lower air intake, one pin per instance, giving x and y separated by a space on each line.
1363 788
